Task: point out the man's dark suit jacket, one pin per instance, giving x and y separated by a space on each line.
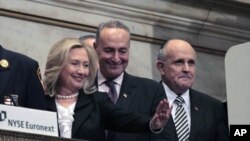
208 120
95 112
21 78
138 95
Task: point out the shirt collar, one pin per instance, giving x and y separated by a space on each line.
102 79
171 95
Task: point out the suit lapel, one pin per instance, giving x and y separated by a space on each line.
170 127
51 104
82 110
171 131
5 72
125 96
126 93
197 113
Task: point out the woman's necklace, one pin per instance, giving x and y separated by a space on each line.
58 96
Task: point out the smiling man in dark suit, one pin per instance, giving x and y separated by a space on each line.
20 80
139 95
203 117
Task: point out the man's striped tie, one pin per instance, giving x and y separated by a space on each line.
181 121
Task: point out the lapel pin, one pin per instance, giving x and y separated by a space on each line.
4 63
125 95
196 108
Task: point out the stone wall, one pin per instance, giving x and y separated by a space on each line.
31 27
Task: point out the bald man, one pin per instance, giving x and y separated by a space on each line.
203 117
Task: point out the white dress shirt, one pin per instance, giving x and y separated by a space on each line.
102 87
65 119
172 96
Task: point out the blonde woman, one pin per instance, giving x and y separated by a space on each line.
83 112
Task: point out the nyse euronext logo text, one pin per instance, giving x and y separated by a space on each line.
24 124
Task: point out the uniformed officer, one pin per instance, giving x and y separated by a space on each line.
20 80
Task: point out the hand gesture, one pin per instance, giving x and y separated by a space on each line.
161 116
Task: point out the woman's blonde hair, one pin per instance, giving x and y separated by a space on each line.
56 61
